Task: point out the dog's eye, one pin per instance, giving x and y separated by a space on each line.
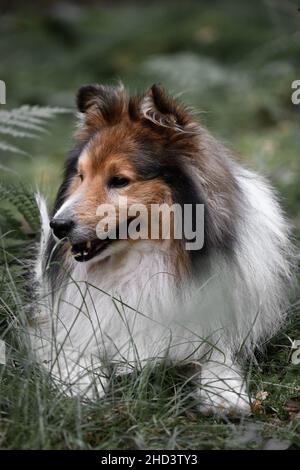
118 182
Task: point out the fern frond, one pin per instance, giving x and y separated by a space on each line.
42 112
24 201
9 130
14 121
5 146
25 121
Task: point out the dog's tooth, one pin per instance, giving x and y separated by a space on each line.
85 253
89 245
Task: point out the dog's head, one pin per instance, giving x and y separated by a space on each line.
142 148
130 147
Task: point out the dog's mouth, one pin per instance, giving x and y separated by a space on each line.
85 251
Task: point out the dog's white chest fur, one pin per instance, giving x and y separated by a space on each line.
113 310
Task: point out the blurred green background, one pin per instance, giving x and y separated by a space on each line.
233 61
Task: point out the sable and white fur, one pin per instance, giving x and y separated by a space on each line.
127 308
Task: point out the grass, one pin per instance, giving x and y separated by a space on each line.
235 64
150 409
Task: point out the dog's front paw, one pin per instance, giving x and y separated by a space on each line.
224 403
222 390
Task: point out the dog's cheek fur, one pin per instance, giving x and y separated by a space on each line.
70 172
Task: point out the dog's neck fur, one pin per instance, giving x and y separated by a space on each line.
114 298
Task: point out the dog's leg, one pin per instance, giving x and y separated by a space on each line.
79 376
222 388
73 373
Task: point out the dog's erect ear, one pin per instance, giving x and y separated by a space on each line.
160 108
86 96
101 104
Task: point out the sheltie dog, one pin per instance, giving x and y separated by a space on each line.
117 304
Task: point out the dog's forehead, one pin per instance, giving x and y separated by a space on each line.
109 143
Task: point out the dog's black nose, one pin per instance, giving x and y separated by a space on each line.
61 227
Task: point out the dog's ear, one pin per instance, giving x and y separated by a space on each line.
160 108
87 96
101 104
